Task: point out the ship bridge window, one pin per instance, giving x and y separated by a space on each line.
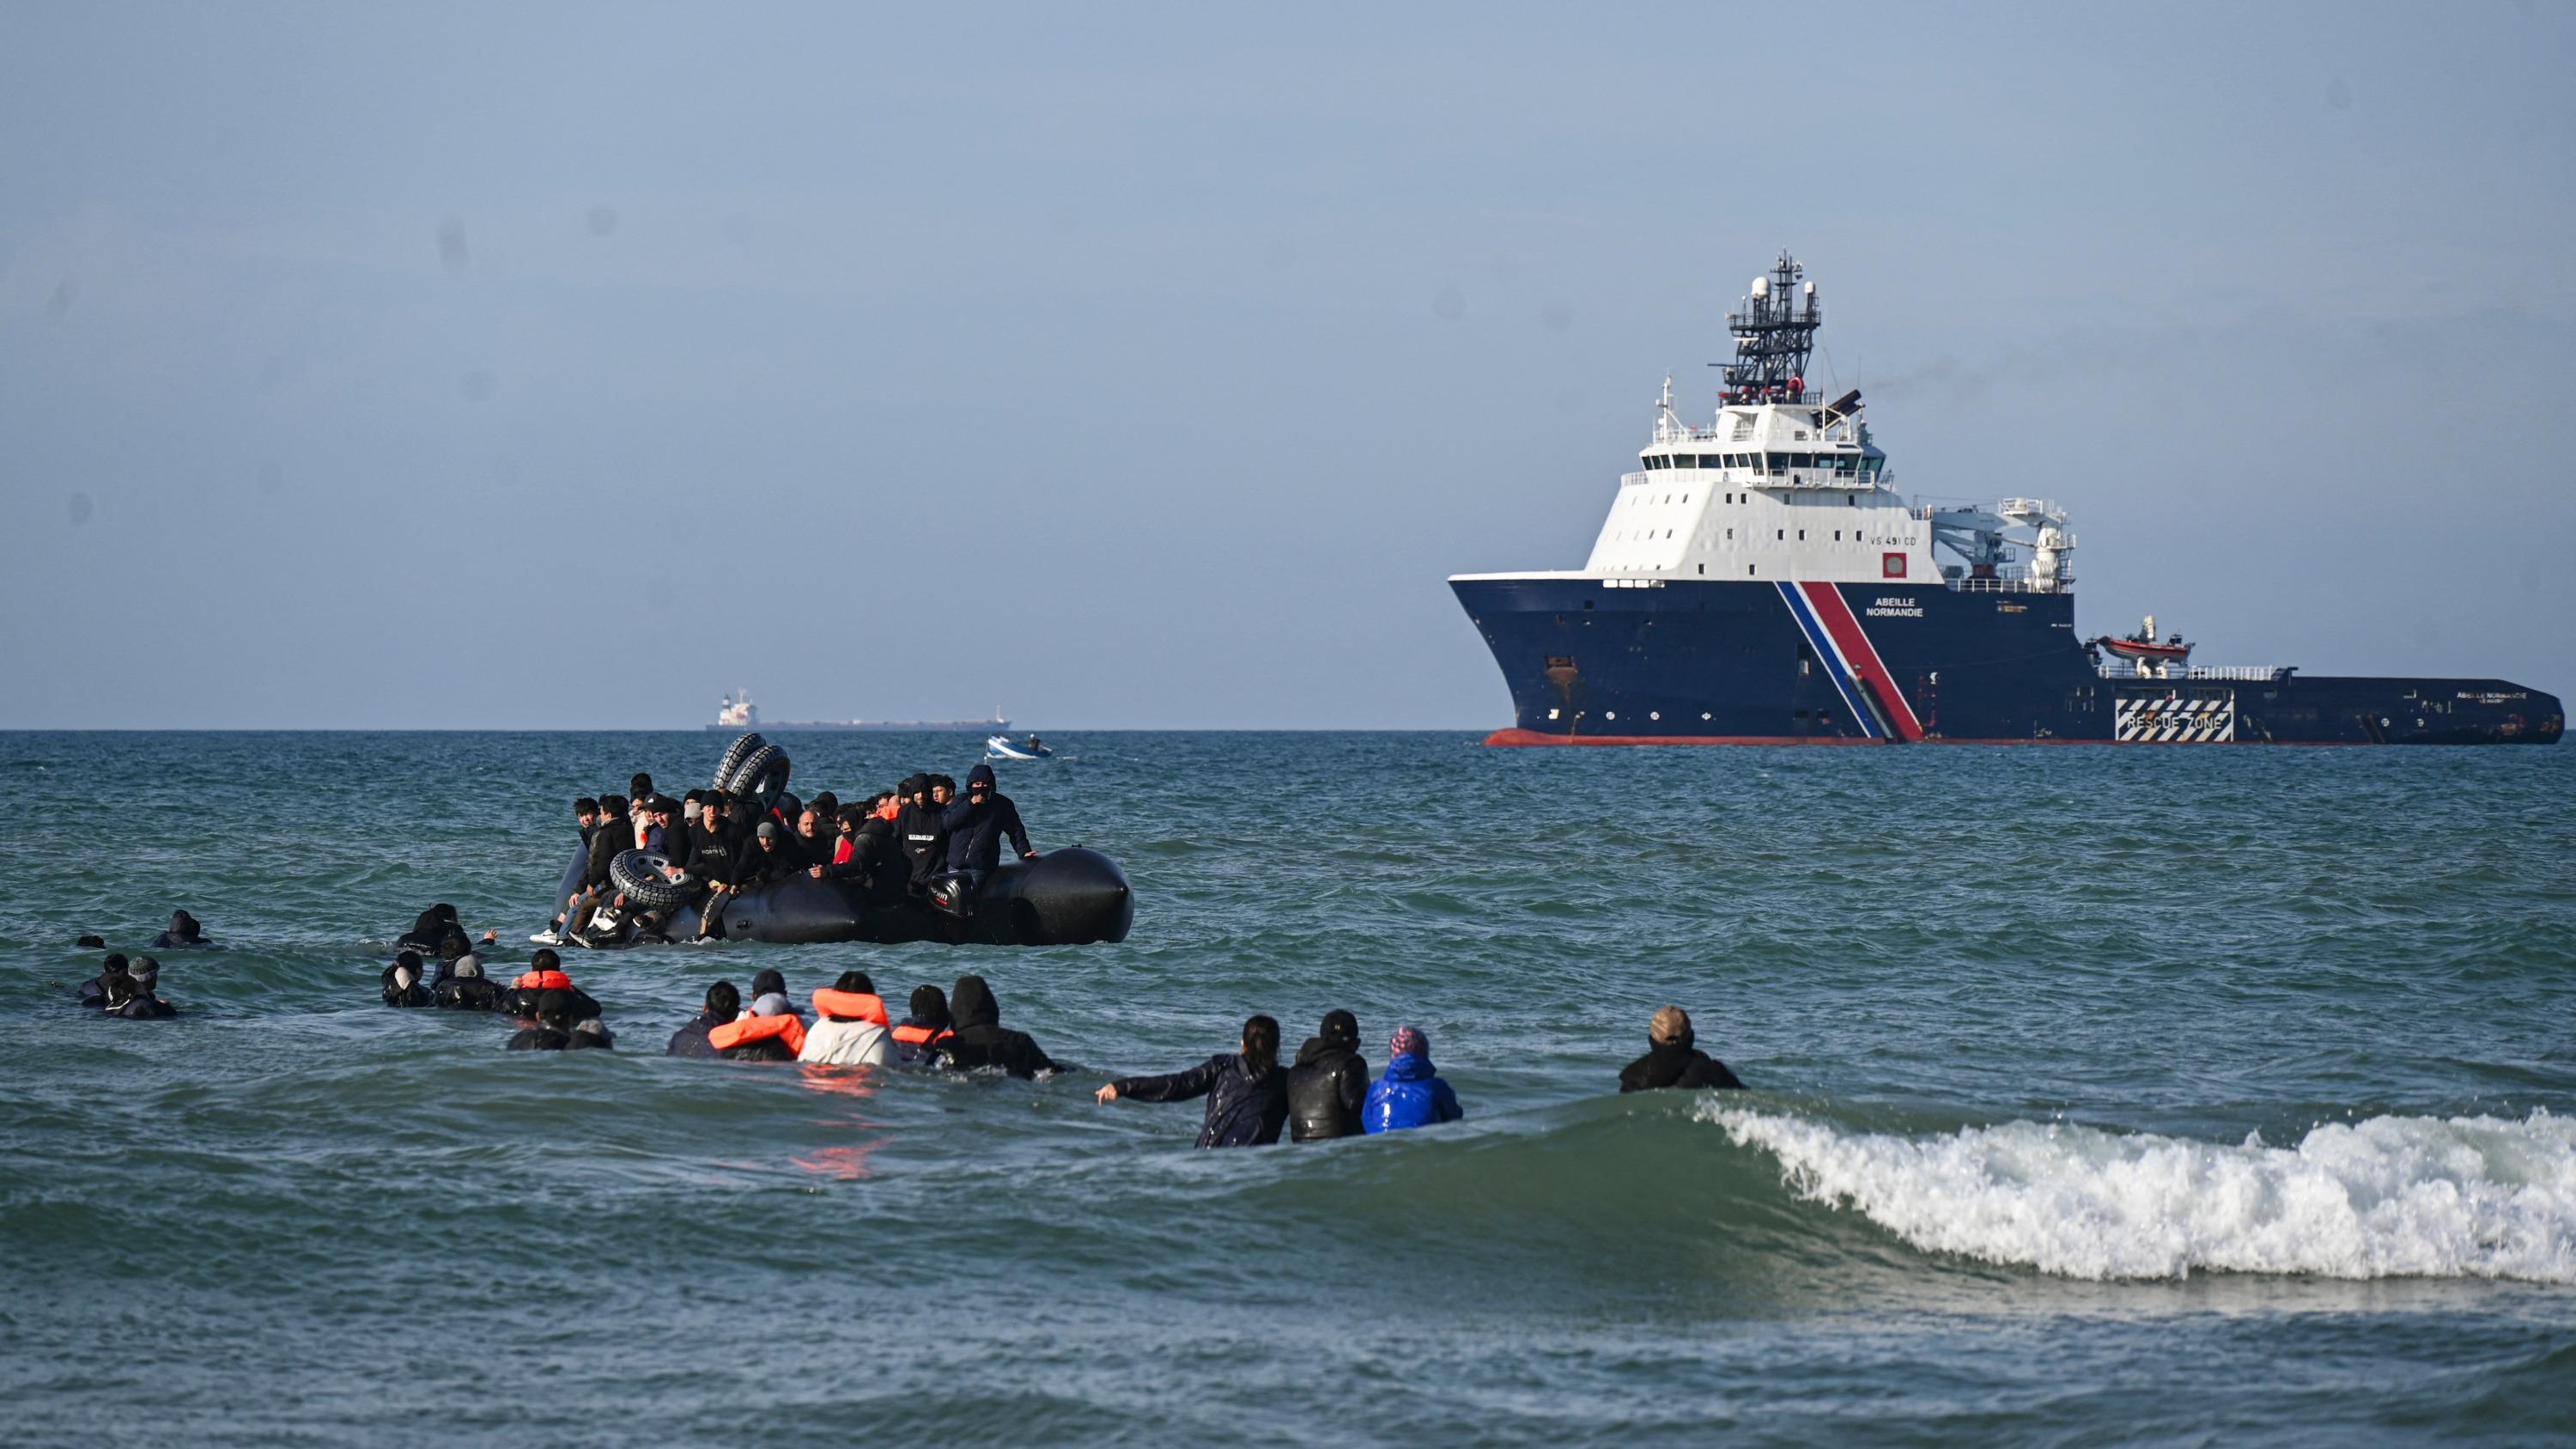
1847 464
1779 462
1802 460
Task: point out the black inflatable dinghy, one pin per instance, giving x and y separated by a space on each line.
1070 897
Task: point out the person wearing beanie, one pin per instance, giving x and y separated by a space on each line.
466 988
1247 1094
1671 1060
146 1003
850 1028
1329 1083
93 992
724 1003
922 1036
590 1034
768 859
552 1030
1411 1093
702 859
402 984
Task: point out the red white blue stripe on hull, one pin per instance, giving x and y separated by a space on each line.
1835 634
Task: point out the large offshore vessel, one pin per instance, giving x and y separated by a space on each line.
1760 581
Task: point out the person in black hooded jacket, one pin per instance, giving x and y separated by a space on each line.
769 859
1329 1082
976 824
429 928
402 983
981 1040
1671 1060
724 1003
1247 1094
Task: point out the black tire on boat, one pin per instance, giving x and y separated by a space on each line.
638 875
737 752
761 775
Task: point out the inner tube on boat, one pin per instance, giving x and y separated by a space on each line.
1070 897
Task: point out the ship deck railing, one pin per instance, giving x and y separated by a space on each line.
2122 669
2063 583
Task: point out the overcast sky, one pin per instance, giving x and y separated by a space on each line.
564 365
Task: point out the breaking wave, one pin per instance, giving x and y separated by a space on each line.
2480 1197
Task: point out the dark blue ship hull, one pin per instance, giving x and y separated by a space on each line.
1669 661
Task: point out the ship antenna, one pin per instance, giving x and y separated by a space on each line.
1775 336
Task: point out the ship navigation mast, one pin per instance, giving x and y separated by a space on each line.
1775 334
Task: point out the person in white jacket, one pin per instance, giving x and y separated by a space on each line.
849 1025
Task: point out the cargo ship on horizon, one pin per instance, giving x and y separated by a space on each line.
736 712
1759 580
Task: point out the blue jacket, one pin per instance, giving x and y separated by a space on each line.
1411 1094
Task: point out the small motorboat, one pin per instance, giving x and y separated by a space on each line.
999 747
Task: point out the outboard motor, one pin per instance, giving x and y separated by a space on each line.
953 893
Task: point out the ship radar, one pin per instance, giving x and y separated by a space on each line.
1775 334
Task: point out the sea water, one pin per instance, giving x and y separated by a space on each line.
2099 1095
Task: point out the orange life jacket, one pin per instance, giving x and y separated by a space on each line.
911 1035
861 1005
543 981
742 1031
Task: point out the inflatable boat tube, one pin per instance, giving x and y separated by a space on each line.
1071 897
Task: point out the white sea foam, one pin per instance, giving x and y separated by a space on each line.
2479 1197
